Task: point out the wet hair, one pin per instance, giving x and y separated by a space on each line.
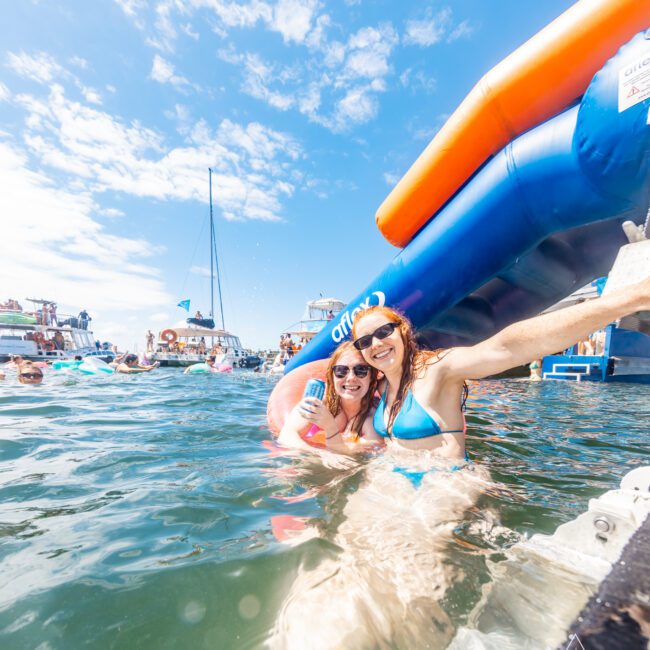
212 358
129 358
415 360
30 367
78 358
332 399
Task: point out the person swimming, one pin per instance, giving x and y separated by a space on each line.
345 413
422 394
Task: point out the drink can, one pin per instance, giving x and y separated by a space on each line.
315 388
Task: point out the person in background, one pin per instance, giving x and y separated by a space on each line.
130 365
150 338
84 319
28 373
202 345
53 319
59 341
535 370
198 315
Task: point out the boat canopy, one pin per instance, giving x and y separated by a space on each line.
197 332
326 304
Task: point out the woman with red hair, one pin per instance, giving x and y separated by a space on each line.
422 394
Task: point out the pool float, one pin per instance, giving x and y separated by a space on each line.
198 368
66 364
540 79
288 392
87 366
16 318
202 368
93 366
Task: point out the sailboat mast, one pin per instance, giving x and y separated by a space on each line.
211 250
213 256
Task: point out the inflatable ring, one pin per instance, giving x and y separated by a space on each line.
288 392
38 338
169 336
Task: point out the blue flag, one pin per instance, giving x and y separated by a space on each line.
185 304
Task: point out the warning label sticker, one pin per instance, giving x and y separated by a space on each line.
634 83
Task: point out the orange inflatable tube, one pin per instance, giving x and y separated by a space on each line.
288 392
537 81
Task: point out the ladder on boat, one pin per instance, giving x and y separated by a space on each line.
569 371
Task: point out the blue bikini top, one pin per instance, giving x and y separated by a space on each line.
412 421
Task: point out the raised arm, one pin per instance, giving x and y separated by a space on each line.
536 337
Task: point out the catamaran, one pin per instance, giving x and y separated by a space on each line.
192 340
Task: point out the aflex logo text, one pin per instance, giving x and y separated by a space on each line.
345 325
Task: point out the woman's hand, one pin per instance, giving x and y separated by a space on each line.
313 410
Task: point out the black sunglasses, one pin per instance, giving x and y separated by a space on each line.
31 375
340 372
382 332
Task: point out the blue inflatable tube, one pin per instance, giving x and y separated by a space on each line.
540 220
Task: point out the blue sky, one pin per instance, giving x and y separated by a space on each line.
308 112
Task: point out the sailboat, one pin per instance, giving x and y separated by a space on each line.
193 340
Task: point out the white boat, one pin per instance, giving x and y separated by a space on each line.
318 313
185 344
195 339
25 334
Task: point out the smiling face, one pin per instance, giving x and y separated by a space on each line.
351 387
384 354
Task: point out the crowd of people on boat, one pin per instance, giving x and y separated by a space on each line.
10 305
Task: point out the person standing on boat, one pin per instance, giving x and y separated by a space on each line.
84 318
53 319
150 338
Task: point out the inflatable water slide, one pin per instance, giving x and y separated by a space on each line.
519 199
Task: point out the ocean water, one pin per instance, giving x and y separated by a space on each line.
153 511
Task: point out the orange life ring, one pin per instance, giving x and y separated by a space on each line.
169 336
48 346
38 338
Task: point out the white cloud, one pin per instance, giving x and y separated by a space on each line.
4 93
203 271
391 178
417 81
112 213
253 164
434 28
293 19
428 30
91 95
159 317
131 7
163 71
462 30
79 62
40 67
53 244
